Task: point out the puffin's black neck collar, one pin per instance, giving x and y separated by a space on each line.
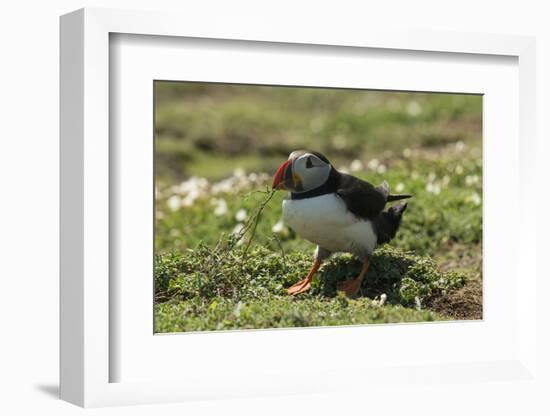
330 186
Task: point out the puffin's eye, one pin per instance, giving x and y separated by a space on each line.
309 163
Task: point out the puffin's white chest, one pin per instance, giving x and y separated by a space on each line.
325 220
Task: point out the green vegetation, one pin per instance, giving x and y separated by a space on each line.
218 145
206 287
280 312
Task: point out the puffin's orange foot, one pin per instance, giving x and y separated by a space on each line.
350 287
299 287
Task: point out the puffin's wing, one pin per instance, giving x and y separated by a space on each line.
362 199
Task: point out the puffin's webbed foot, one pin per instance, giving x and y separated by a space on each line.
304 284
299 287
351 286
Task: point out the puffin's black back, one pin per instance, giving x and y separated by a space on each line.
361 198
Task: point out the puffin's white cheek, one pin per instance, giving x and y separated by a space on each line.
308 182
315 177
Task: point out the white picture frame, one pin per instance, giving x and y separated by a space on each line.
87 356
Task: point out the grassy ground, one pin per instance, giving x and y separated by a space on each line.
217 146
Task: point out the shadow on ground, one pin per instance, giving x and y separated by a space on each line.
51 390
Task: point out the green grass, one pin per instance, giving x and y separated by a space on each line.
428 145
206 273
220 289
280 312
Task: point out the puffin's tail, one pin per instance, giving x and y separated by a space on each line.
391 198
384 188
388 222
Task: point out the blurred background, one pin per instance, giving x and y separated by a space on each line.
209 130
215 144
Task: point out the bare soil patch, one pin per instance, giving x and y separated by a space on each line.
464 303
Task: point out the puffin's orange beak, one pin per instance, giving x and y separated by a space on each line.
278 179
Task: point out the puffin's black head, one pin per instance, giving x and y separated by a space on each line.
303 171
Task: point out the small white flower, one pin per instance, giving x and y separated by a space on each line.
459 170
433 188
400 187
407 153
241 215
373 164
224 186
459 146
193 185
278 227
239 173
356 165
174 202
471 180
220 207
475 198
381 169
190 198
413 108
238 228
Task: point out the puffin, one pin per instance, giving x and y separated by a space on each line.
336 211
